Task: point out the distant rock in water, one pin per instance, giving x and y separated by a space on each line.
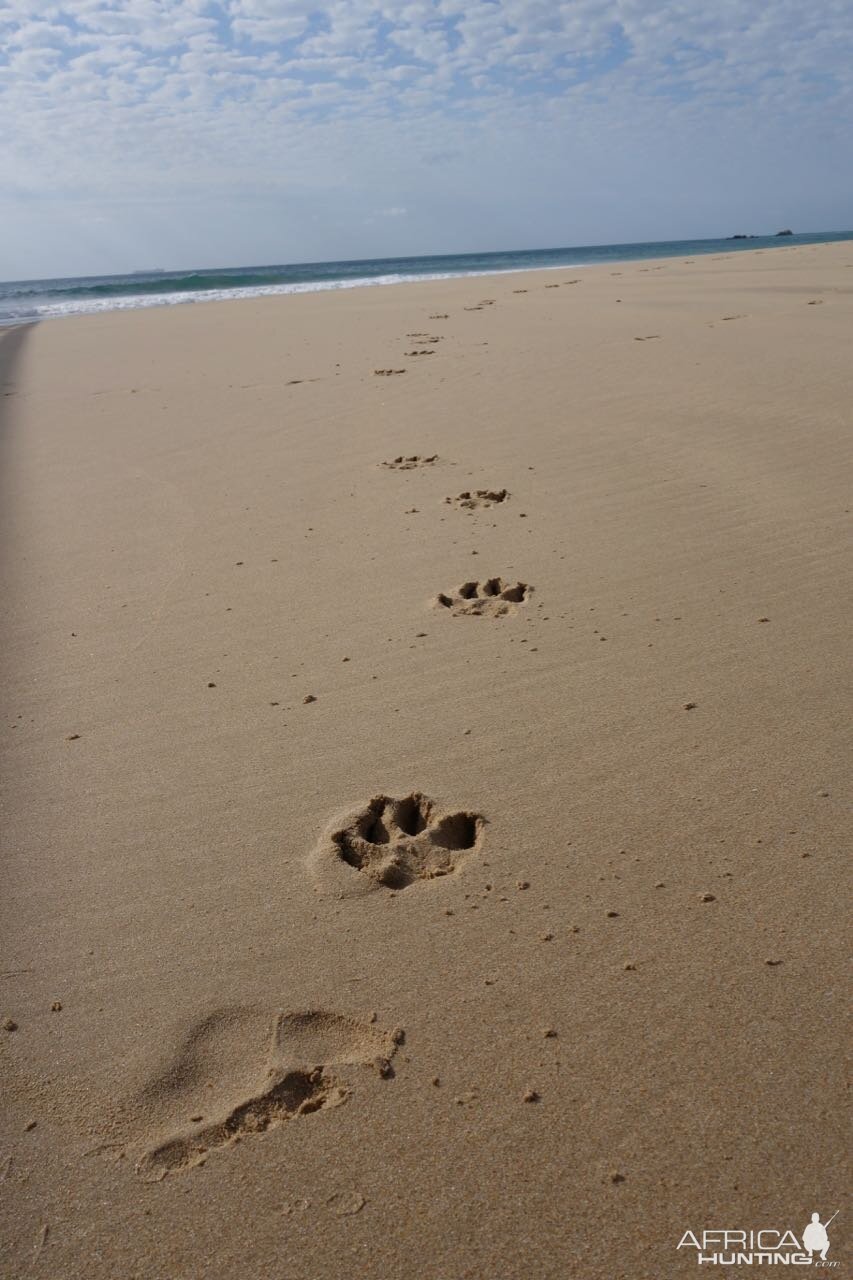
787 232
741 236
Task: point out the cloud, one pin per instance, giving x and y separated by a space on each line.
138 102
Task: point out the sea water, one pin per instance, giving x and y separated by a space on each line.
28 300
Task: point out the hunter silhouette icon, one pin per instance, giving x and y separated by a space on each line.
815 1239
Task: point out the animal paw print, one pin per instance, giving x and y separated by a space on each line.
394 843
407 464
471 499
493 598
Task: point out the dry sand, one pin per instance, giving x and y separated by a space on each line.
432 889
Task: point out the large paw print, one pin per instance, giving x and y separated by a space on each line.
470 499
394 843
492 598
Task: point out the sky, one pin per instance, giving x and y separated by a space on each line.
167 133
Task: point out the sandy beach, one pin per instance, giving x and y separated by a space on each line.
425 749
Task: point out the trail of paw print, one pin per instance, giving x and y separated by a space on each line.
492 598
397 842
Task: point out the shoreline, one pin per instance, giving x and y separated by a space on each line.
611 771
282 289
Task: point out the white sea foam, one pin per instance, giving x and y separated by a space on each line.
56 308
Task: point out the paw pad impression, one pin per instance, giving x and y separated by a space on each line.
470 499
403 463
394 843
492 598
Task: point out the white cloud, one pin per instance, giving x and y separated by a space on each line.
544 105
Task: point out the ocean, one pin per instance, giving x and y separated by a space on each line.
24 301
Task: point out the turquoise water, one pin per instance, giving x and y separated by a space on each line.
27 300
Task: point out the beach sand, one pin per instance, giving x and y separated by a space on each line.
400 884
